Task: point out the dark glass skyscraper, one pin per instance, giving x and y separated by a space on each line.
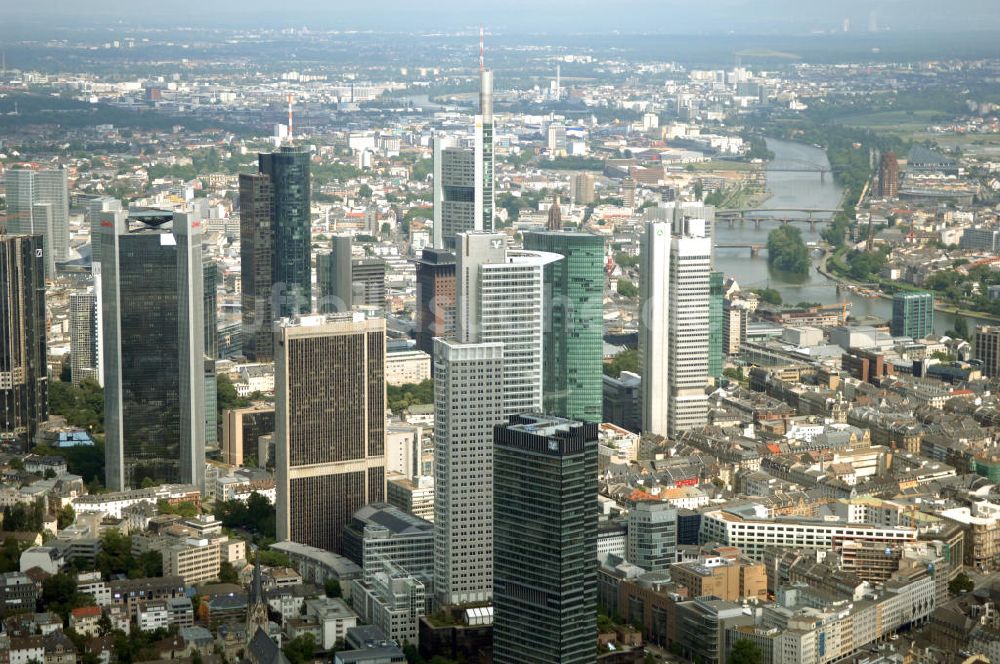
154 349
544 541
256 257
23 362
291 268
574 325
211 279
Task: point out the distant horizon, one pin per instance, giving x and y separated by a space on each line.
555 17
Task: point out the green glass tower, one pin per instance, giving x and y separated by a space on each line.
716 357
912 314
574 325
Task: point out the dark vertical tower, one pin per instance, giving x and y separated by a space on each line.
154 349
329 424
545 541
435 297
23 362
211 279
256 257
291 269
716 356
574 323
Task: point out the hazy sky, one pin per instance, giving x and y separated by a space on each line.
527 16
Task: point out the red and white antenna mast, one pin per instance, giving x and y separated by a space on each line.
290 100
482 50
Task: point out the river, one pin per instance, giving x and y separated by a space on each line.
799 190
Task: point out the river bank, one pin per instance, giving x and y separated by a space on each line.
951 309
794 191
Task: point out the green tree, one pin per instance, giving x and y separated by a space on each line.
627 289
745 651
300 649
65 517
59 595
626 360
364 191
961 584
768 295
787 251
332 588
228 573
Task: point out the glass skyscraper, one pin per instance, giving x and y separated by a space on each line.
23 360
545 541
574 326
288 171
154 349
716 355
256 265
912 314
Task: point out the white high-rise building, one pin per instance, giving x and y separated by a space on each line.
654 295
84 342
38 204
690 266
484 150
500 294
468 403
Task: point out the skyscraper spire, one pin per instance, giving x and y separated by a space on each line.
482 50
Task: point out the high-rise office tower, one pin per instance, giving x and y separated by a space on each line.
96 207
583 189
38 204
545 541
735 316
652 535
291 266
468 402
573 360
23 360
654 325
435 297
501 298
210 281
458 193
84 351
154 349
716 356
256 265
688 339
888 176
484 146
986 349
346 282
329 423
556 140
912 314
628 192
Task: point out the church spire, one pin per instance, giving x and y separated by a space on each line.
256 604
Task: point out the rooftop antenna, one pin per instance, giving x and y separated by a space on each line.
290 99
482 50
